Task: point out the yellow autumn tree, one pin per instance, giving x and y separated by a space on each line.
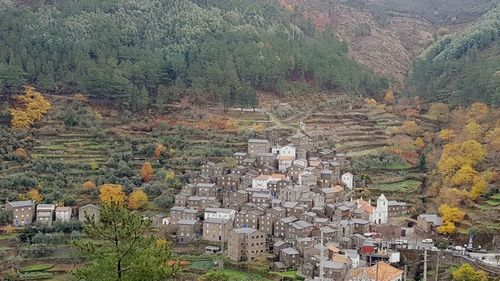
170 175
159 150
446 135
465 176
473 130
478 188
450 216
147 172
109 193
34 194
411 128
389 97
439 112
32 107
137 199
455 155
419 143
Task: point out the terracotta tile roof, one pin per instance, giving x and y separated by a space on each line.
386 272
337 188
279 176
341 259
285 157
367 208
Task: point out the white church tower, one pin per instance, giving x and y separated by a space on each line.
381 213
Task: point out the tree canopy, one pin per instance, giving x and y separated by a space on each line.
137 51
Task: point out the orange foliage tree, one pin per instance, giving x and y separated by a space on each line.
33 108
419 143
137 199
159 150
147 172
109 193
88 186
21 153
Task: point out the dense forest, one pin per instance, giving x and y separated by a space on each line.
144 53
462 68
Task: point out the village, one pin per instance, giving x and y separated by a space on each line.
286 201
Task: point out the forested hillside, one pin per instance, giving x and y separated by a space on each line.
462 68
142 52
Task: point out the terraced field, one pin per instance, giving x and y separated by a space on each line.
354 132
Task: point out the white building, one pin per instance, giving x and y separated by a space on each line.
354 256
348 180
63 214
381 212
219 213
287 150
377 215
284 162
262 180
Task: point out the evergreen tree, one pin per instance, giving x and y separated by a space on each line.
121 248
421 163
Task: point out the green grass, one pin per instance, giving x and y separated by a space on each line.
243 276
493 203
292 274
406 185
495 197
7 236
36 267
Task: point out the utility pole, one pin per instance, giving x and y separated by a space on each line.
437 267
406 270
376 275
425 265
321 269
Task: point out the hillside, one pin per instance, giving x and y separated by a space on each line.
387 44
462 67
387 35
144 53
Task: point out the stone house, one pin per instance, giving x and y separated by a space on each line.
261 198
325 178
266 223
89 210
246 219
294 170
281 226
245 244
290 257
397 209
45 214
256 146
239 170
265 159
266 169
23 212
240 156
205 190
234 200
280 245
63 214
427 223
229 182
199 179
299 228
208 169
216 230
188 231
202 202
